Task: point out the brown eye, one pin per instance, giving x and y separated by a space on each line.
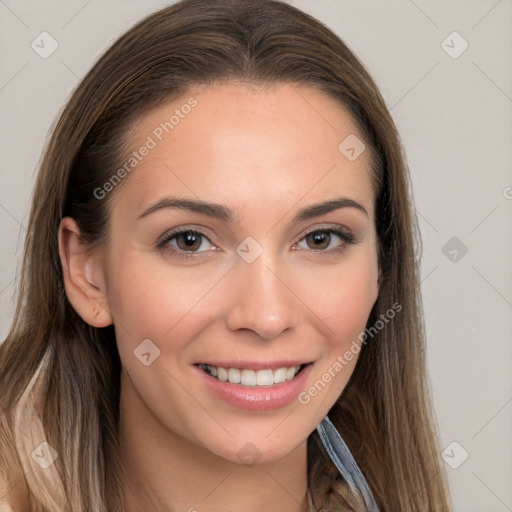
185 242
188 240
318 240
327 241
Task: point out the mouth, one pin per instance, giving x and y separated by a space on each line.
257 386
254 378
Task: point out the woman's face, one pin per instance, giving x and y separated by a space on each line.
275 267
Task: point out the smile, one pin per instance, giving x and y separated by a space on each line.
257 386
252 378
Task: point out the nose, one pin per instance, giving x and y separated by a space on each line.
263 301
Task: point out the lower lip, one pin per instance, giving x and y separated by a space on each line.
264 398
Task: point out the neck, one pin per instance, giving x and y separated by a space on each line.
175 474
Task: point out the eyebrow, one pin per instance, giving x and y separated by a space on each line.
225 214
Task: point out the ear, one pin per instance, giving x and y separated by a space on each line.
83 274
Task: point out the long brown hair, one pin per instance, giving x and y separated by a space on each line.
59 377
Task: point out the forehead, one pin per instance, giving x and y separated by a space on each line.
238 143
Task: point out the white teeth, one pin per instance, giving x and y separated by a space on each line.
279 375
248 378
290 373
234 376
252 378
264 378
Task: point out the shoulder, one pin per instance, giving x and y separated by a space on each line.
342 500
337 503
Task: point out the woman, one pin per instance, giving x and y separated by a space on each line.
219 279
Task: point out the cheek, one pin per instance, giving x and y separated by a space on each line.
343 309
351 306
343 298
151 298
159 311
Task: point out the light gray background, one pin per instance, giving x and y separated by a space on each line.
454 116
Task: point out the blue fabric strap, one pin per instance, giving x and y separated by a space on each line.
342 458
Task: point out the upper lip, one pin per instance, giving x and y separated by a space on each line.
254 365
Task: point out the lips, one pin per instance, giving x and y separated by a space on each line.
263 397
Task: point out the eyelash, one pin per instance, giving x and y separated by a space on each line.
162 242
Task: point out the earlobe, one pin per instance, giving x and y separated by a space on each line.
83 276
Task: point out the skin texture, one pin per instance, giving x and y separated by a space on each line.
265 154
